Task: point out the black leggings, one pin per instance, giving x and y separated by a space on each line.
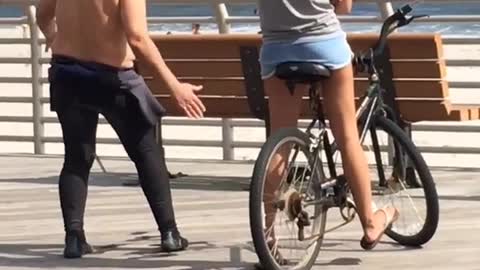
79 127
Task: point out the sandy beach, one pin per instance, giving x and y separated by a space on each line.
458 96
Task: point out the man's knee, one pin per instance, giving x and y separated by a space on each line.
144 148
79 159
142 152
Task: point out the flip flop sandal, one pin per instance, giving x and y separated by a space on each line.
369 245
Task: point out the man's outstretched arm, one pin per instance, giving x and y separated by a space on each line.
134 19
46 19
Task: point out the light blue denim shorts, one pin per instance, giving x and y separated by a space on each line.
332 51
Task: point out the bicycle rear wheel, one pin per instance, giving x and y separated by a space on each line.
284 202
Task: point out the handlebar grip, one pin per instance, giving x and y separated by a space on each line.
406 9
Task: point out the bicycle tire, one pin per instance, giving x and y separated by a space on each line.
425 178
256 195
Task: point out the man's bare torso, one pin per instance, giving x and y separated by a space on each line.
92 30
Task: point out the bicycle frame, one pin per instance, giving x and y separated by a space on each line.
372 104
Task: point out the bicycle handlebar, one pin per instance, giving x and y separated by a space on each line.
389 26
395 21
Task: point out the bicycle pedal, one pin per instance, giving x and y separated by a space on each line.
346 212
301 234
350 203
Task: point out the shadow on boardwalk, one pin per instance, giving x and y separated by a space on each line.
195 182
49 257
128 255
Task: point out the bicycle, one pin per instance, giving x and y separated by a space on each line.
304 193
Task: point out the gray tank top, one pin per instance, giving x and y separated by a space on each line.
287 20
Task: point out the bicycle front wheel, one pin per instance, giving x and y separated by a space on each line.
286 223
392 184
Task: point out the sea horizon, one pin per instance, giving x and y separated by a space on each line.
360 9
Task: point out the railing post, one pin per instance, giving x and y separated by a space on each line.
221 15
35 55
390 151
227 140
386 8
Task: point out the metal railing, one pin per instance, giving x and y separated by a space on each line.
223 20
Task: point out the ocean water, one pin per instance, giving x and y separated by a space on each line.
465 29
359 9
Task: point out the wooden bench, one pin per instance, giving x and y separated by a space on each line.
417 66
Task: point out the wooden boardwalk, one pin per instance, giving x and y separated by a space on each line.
212 211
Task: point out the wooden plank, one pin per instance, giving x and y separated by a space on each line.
419 69
474 113
457 115
217 46
210 46
201 68
402 45
416 68
236 87
216 107
412 88
211 87
233 68
424 110
463 113
412 110
237 107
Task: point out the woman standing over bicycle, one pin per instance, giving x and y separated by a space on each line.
309 31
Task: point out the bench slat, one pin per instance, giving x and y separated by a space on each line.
403 45
237 107
419 69
462 113
210 46
217 46
236 87
233 68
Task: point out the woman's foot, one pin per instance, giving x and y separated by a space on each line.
382 219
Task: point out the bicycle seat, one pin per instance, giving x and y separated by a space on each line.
302 72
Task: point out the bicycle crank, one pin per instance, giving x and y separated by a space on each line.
347 211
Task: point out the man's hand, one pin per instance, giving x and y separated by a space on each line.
188 101
49 40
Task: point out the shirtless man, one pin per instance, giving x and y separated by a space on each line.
94 44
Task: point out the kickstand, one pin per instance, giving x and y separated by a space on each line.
97 158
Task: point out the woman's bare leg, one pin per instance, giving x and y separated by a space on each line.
284 112
338 95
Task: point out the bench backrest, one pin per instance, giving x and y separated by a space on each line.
214 61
